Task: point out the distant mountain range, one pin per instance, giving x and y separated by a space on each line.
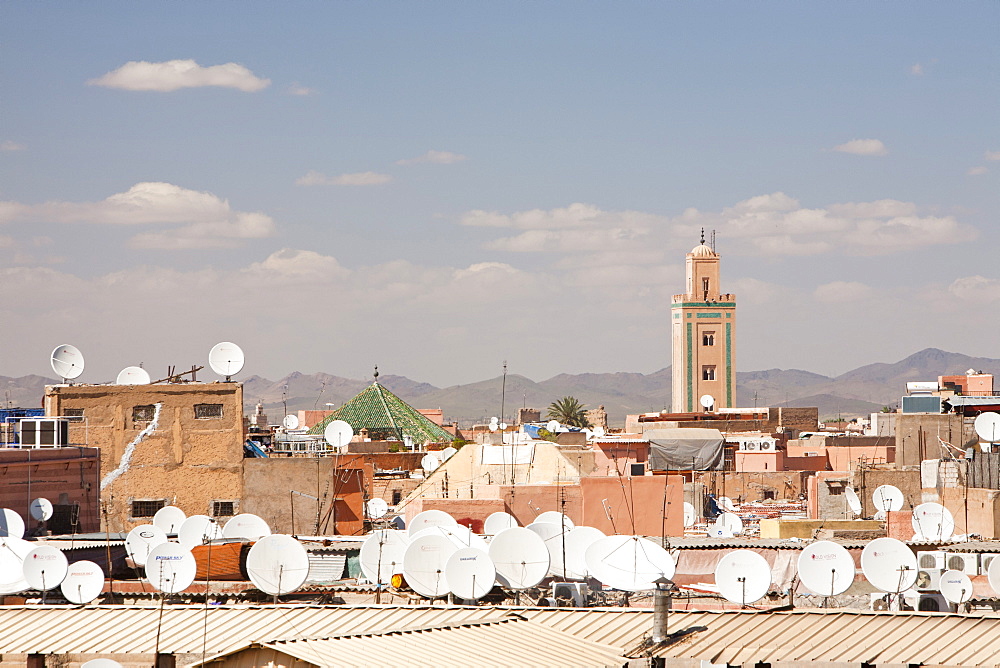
858 392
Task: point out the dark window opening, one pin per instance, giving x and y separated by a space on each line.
143 413
708 339
769 495
207 411
72 412
147 507
65 518
708 373
397 496
223 508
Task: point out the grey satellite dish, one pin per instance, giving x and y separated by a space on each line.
988 427
470 574
743 576
520 557
889 565
956 586
338 434
382 555
67 362
246 525
41 509
376 508
887 498
226 359
83 583
628 563
171 568
826 568
45 567
133 375
13 552
141 540
11 523
169 519
424 562
290 422
278 564
707 401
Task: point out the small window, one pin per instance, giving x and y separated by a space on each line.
769 495
72 412
708 339
147 507
207 411
397 496
223 508
143 413
708 372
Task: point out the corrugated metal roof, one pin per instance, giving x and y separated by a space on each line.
707 543
843 637
973 546
497 643
619 627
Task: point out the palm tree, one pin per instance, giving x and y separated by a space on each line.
568 411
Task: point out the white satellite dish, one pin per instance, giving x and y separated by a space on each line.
41 509
988 426
826 568
198 530
932 521
45 567
338 434
169 519
993 575
429 462
376 508
424 562
12 554
628 563
133 375
226 359
101 663
67 362
552 426
520 557
246 525
83 583
11 523
382 555
448 453
731 522
170 567
707 401
887 498
503 426
430 518
853 502
494 426
726 504
956 586
557 518
498 522
460 535
290 422
599 432
278 564
889 565
743 576
578 541
470 573
690 515
141 540
719 531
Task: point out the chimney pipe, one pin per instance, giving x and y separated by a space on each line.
661 609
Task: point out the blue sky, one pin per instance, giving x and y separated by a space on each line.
437 187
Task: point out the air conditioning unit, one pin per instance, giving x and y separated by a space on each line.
884 602
984 562
929 603
563 592
928 579
931 559
51 433
750 446
768 446
966 562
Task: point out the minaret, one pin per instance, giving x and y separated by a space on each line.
703 332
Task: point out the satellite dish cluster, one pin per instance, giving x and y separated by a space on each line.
225 358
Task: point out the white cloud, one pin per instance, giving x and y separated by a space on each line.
862 147
314 178
573 216
842 292
992 156
977 171
297 266
434 157
978 289
298 89
176 74
205 220
8 145
917 69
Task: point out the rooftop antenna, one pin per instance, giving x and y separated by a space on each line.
713 241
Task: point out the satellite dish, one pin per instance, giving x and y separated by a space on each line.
424 562
290 422
429 462
133 375
520 558
578 541
11 523
497 522
956 586
13 552
376 508
726 504
198 530
557 518
278 564
41 509
430 518
338 434
743 576
853 502
460 535
45 567
169 519
171 567
707 400
826 568
226 359
887 497
382 555
101 663
719 531
932 521
628 563
552 535
141 540
889 565
246 525
83 583
447 454
993 575
470 573
988 426
552 426
690 515
494 420
67 362
503 426
731 522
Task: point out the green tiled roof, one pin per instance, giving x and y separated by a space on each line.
385 415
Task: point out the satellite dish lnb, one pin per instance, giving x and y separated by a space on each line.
226 359
707 401
67 362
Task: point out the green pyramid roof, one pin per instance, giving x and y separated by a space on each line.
385 416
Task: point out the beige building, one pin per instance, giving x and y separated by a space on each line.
703 335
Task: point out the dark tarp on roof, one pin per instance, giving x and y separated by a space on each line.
685 449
